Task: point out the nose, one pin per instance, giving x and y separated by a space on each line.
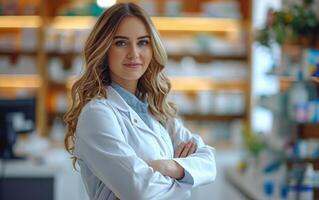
133 52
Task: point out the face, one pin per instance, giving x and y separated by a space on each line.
130 53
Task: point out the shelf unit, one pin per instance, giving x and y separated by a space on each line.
204 57
304 131
197 83
166 25
11 83
183 83
209 117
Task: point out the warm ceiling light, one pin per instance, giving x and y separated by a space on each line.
105 3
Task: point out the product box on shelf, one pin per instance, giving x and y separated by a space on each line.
310 62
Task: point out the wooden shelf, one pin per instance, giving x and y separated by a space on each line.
309 130
286 81
194 84
57 86
196 24
211 117
28 21
73 22
63 54
202 57
52 115
16 53
20 81
191 24
315 162
188 83
34 53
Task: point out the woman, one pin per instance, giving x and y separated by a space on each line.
121 130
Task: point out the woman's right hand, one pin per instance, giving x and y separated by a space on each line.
170 167
185 149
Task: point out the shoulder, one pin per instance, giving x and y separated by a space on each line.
96 103
96 117
95 111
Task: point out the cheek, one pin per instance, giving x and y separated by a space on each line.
147 53
115 56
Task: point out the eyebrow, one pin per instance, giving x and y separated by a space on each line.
123 37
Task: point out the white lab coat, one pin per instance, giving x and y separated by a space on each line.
112 142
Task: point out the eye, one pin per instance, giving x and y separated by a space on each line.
120 43
143 43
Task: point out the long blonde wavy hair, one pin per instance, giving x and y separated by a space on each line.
153 85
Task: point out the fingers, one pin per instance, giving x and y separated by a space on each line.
179 150
186 149
192 149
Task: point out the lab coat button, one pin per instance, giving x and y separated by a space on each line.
135 121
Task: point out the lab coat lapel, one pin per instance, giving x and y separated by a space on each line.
116 100
159 131
139 123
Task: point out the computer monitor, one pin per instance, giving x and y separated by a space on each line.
16 117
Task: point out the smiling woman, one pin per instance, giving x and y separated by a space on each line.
130 53
122 131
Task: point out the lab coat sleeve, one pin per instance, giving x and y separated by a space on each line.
201 164
101 144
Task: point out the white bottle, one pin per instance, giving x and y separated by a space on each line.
306 191
298 98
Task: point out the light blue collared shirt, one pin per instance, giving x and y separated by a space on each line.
141 108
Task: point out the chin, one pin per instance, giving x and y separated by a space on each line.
133 75
133 78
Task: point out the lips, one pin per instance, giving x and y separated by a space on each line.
132 65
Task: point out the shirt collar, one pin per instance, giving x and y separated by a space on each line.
136 104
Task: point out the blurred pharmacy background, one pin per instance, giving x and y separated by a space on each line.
242 74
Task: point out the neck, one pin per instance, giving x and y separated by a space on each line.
129 86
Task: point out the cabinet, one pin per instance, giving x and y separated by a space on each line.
58 53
